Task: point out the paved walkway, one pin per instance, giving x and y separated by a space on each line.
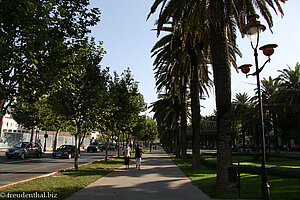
159 178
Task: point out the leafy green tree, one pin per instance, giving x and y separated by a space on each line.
80 96
35 36
127 103
148 130
26 113
49 119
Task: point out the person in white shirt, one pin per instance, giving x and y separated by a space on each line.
127 156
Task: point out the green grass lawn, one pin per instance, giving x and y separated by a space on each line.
205 179
64 184
272 161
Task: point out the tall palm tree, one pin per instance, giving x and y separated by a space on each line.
176 65
240 109
166 111
221 19
170 74
289 89
270 101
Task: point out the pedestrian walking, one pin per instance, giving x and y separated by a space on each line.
138 156
127 156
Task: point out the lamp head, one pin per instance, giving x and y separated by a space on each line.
245 68
268 49
253 28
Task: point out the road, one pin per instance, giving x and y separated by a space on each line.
14 170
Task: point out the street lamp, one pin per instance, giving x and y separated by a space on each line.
253 30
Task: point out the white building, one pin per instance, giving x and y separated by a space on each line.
9 125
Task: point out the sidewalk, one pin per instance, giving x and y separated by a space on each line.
159 178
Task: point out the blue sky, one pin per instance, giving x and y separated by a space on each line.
128 39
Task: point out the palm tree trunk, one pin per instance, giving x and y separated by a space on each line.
177 143
183 121
298 122
275 128
222 82
195 111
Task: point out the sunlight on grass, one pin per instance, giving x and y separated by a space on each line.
271 162
205 179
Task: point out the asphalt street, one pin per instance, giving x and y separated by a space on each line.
14 170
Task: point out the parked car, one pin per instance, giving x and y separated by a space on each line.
295 148
95 146
65 151
111 147
25 149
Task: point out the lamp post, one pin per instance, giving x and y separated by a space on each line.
253 30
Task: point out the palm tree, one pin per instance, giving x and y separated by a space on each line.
240 110
166 111
270 101
221 19
175 65
170 75
289 89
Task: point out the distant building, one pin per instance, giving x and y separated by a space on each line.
9 125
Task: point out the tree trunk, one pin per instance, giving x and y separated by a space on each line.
55 139
275 128
32 133
2 107
183 121
119 144
177 143
170 139
77 146
222 82
243 138
76 153
298 122
257 140
195 112
106 151
1 117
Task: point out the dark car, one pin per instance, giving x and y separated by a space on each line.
25 149
111 147
65 151
95 146
295 148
